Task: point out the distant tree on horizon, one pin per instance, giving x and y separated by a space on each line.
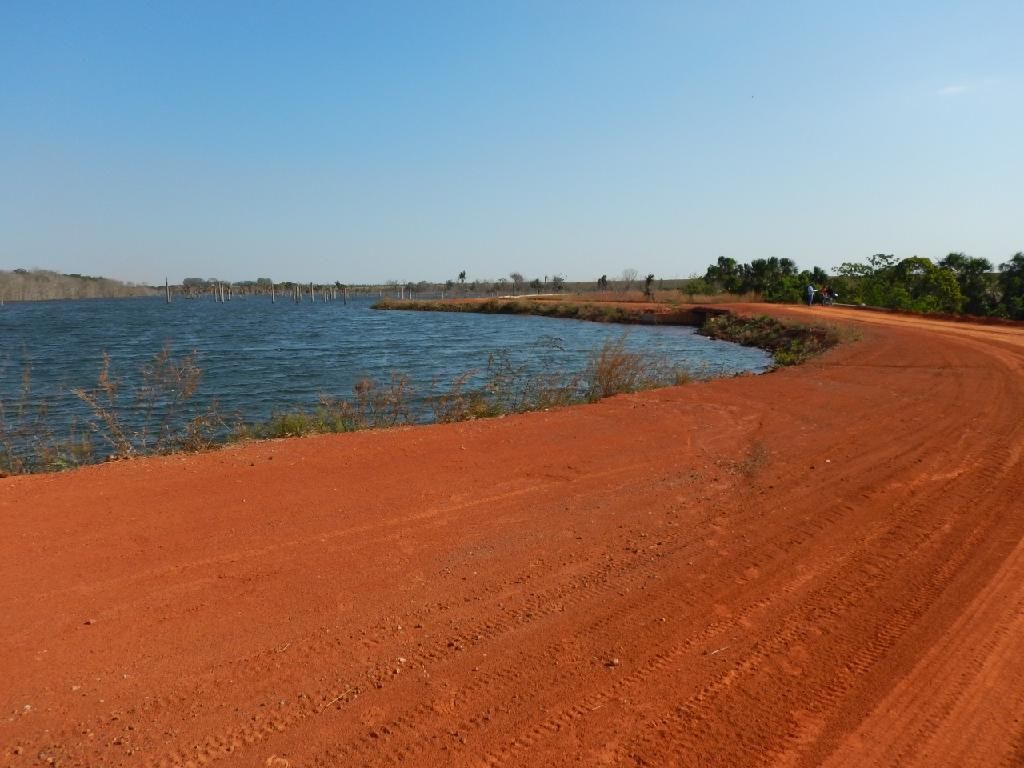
517 281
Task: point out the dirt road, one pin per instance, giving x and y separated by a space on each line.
823 566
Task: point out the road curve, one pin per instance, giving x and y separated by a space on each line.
823 566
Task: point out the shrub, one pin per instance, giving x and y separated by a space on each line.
158 407
788 344
615 370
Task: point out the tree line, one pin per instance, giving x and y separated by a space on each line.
957 283
43 285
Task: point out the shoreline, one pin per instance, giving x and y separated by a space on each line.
30 445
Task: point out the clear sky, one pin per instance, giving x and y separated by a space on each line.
372 141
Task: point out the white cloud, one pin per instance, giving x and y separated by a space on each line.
953 90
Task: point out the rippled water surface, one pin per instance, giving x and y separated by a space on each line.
258 357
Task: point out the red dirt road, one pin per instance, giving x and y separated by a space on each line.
819 567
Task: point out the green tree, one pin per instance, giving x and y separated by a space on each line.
922 286
973 275
867 283
776 279
1011 283
697 286
725 274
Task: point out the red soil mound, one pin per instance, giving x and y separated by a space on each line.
821 566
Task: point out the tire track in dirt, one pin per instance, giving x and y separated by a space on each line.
860 661
821 607
488 683
606 577
887 635
225 744
295 713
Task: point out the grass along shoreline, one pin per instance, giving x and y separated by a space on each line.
561 308
158 416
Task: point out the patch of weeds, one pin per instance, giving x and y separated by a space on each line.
28 440
509 387
156 415
789 344
294 423
460 403
372 406
153 417
615 370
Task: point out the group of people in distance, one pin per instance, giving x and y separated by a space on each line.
828 296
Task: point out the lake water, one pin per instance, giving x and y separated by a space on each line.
258 357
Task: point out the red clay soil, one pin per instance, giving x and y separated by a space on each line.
822 566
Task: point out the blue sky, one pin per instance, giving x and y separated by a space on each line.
375 141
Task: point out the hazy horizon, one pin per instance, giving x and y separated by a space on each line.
409 142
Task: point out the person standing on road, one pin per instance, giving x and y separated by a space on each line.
810 294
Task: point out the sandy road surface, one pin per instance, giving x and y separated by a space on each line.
822 566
